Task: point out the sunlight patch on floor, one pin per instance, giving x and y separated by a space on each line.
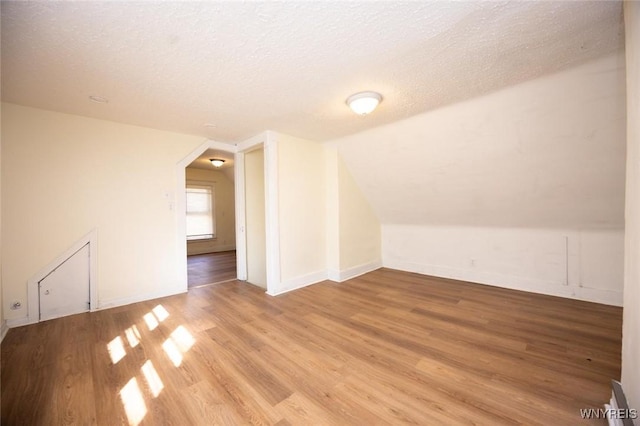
160 312
182 338
133 336
172 352
151 321
179 342
152 378
116 349
133 402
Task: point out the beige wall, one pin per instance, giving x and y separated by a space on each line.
353 229
332 212
224 202
360 239
302 211
327 229
631 316
64 175
255 218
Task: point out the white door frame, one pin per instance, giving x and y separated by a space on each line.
181 215
268 141
33 304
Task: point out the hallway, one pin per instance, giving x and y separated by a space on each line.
211 268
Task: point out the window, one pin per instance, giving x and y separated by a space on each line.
200 214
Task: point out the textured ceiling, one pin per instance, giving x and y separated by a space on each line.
547 153
285 66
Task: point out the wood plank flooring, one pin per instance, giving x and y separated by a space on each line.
211 268
385 348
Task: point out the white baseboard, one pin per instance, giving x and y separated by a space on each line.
19 322
299 282
355 271
122 301
3 330
110 303
606 297
333 275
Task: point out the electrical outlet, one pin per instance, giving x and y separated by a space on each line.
16 305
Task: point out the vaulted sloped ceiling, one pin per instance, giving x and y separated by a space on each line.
547 153
244 67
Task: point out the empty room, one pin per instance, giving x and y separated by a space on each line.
320 213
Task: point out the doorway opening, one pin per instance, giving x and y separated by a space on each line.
266 143
255 217
211 268
210 219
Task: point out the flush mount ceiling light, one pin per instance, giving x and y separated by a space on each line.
364 103
98 99
217 162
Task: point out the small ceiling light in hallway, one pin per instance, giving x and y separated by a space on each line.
217 162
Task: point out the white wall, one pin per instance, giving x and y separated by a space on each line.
538 161
64 175
255 217
224 205
584 265
302 212
631 313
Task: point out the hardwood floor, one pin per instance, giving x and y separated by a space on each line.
211 268
385 348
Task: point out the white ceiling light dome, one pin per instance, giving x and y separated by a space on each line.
217 162
364 103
